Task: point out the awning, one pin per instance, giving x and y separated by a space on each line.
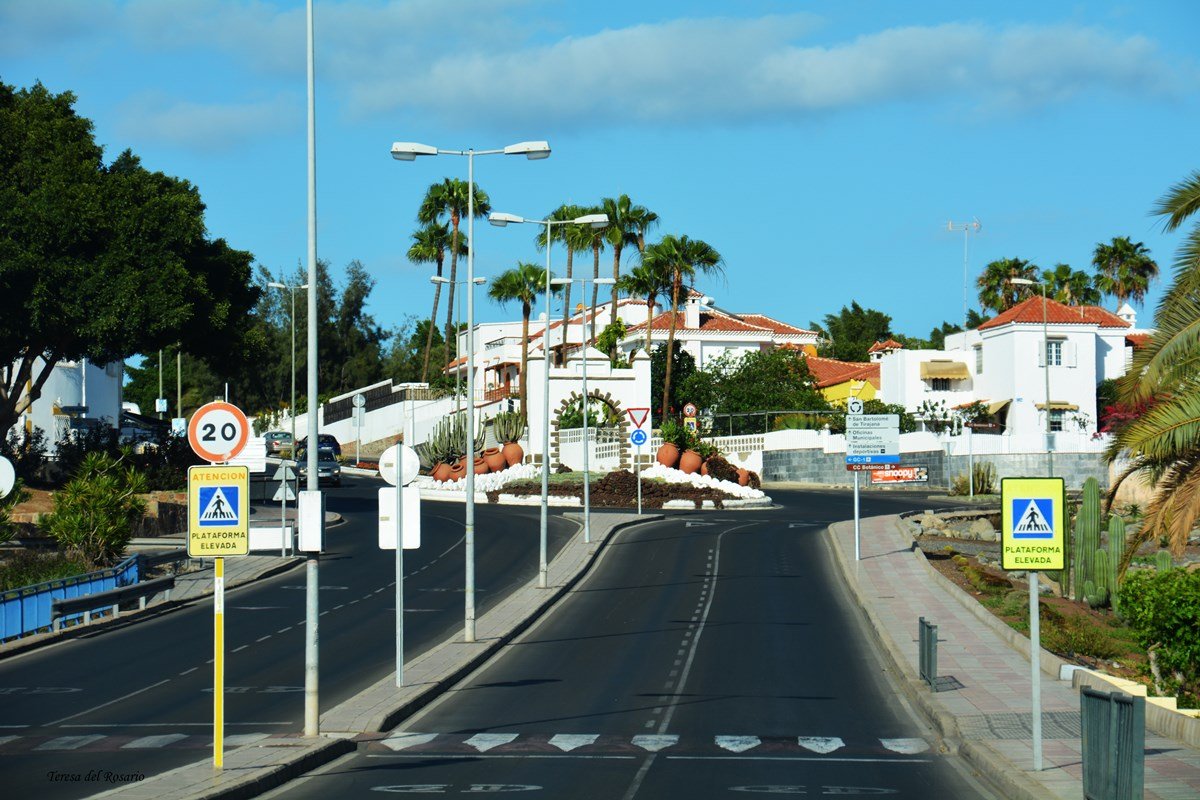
995 407
954 370
1057 405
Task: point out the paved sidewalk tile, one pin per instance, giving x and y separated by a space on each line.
991 701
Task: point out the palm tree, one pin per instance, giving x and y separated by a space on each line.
450 198
1070 286
995 291
523 284
681 258
570 237
1164 441
429 246
1124 270
626 226
595 238
645 281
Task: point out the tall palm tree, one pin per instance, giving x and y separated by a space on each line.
523 283
626 223
645 281
1124 269
596 239
1164 441
681 258
449 198
995 291
429 246
1070 286
570 237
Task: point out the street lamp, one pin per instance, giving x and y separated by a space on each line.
967 228
1046 371
596 221
292 291
587 513
408 151
479 281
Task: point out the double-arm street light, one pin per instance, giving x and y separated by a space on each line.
595 221
587 508
408 151
479 281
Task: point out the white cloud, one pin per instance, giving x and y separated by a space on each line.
206 126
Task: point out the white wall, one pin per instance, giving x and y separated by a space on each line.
65 387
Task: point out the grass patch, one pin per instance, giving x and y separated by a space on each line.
27 567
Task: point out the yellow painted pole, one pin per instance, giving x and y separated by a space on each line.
219 663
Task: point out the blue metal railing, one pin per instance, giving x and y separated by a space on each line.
26 610
1114 740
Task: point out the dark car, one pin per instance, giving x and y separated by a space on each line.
324 440
328 468
277 441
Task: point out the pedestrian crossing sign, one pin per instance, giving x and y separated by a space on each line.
218 513
1032 523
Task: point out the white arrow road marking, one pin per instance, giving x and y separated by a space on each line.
402 739
569 741
486 741
69 742
653 742
239 739
147 742
908 747
737 744
6 739
820 744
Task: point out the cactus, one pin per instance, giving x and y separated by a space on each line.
1162 561
1116 547
1087 535
508 427
1094 595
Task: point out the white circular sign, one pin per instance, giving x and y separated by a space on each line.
218 431
359 400
387 464
8 476
854 406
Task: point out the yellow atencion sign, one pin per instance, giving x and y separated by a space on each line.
218 511
1033 522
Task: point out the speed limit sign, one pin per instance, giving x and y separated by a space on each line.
218 431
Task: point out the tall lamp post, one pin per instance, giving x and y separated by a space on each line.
291 290
446 281
587 508
967 228
595 221
408 151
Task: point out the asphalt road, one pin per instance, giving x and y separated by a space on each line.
138 699
706 656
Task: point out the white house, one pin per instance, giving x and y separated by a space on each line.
77 395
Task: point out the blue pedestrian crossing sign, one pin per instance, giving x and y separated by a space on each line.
218 511
1032 528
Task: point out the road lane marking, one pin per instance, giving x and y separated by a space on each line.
654 742
172 724
829 759
69 742
400 740
147 742
737 744
284 630
6 739
243 647
908 747
109 703
569 741
486 741
263 638
819 744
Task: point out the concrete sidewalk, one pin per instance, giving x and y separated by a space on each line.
985 712
257 768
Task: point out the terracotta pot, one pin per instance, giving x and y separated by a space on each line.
441 472
495 459
743 477
458 471
704 468
689 462
513 454
481 466
668 455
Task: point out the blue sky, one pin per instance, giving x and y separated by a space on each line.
820 147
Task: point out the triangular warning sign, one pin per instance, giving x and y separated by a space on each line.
1032 520
284 491
218 509
638 416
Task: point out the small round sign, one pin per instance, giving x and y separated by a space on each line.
638 437
218 431
359 400
689 410
8 477
854 406
387 464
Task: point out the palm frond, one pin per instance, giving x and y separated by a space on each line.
1168 431
1180 202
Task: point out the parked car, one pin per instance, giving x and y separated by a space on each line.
328 469
323 440
278 441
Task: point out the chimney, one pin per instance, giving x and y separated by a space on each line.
691 311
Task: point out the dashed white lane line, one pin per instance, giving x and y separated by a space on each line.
109 703
238 649
263 638
147 742
284 630
186 671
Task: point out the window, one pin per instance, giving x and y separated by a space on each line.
1056 419
939 384
979 360
1054 352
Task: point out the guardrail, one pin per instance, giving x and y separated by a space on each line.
1114 740
27 609
72 609
927 652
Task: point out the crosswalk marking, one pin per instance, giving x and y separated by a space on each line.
400 740
652 742
486 741
69 742
737 744
147 742
569 741
908 747
6 739
820 744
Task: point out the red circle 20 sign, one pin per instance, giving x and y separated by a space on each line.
218 431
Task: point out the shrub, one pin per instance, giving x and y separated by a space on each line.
164 463
18 494
95 513
25 568
1076 636
26 451
1163 608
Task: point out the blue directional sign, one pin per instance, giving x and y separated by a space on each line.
875 459
638 437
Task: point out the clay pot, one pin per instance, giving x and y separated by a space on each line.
704 468
743 477
458 471
441 472
481 466
495 459
513 454
689 462
668 455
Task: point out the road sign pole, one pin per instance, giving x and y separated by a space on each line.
400 560
638 471
1035 672
857 537
219 662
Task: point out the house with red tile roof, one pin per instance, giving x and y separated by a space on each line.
840 380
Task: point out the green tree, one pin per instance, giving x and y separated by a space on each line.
523 284
681 258
596 239
996 293
683 366
763 380
429 246
1070 286
573 239
645 280
627 223
451 198
1124 269
850 333
100 261
610 337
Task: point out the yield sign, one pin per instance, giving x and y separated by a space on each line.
638 416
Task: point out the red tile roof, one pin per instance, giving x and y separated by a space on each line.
890 344
774 324
1030 311
830 372
709 321
1137 340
